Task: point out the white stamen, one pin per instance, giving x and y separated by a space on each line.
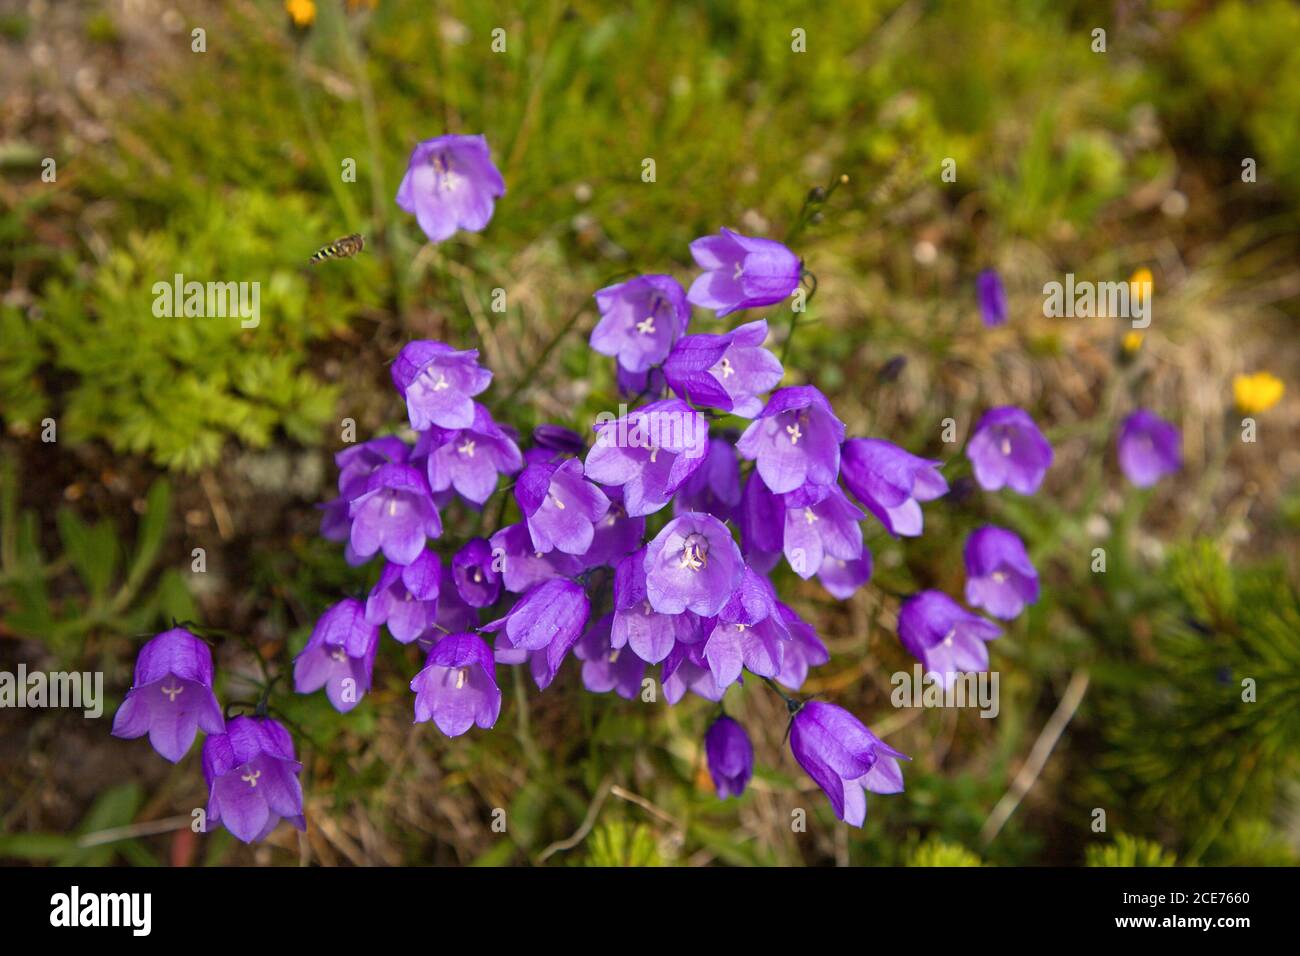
174 691
794 433
467 449
646 325
250 778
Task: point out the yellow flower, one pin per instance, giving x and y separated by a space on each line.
1140 284
1256 393
1132 342
301 12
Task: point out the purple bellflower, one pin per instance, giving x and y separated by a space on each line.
450 183
730 756
649 453
605 667
522 565
714 487
820 523
844 758
395 514
339 656
551 615
252 777
692 564
406 597
999 575
171 696
748 633
470 459
945 637
1008 449
992 298
640 320
458 686
795 440
891 482
741 272
560 506
439 384
686 669
477 581
804 650
725 371
636 624
1149 448
616 535
358 462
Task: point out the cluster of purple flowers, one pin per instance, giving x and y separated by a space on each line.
248 762
652 545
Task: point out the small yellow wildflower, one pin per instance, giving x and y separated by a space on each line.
1132 342
1256 393
301 12
1140 284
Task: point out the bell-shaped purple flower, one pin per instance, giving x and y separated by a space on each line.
761 519
640 320
842 577
686 669
554 610
406 597
945 637
560 506
1008 449
820 522
252 777
557 438
617 534
649 453
395 514
692 564
1149 448
469 459
999 575
891 482
992 298
636 624
714 487
439 383
725 371
357 463
804 650
742 272
450 183
339 656
606 667
730 756
795 440
844 758
454 614
171 696
458 686
522 565
748 633
477 581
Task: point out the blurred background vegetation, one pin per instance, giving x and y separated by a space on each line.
176 434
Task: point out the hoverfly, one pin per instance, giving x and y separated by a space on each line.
344 248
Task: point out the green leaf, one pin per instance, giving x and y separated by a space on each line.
149 537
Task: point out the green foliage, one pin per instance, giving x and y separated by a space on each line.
937 852
619 844
1130 851
1221 60
177 387
109 585
93 842
1207 734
